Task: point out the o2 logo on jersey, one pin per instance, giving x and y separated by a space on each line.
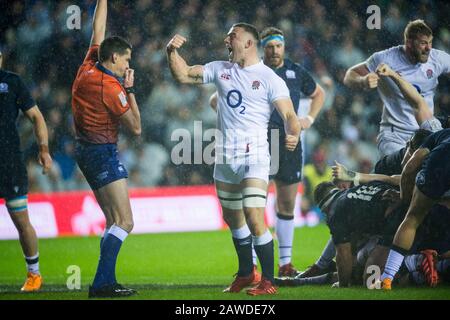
234 100
418 89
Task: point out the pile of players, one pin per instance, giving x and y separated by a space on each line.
394 222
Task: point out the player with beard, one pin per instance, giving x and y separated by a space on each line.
419 64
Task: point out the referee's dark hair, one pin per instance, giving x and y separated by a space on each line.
112 45
248 28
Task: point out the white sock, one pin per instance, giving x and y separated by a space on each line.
241 233
393 264
413 261
254 256
33 264
285 235
118 232
263 239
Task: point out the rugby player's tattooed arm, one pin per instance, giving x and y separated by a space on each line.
341 173
344 263
99 22
180 70
407 180
421 110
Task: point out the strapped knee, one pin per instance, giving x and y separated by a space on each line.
230 200
17 204
254 197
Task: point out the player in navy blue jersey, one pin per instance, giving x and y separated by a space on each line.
301 85
430 168
15 97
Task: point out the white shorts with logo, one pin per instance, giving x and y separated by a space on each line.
238 166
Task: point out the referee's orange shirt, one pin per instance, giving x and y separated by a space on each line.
98 100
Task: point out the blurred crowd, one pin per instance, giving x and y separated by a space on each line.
326 37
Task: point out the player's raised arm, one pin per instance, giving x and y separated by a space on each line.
417 102
359 77
99 22
178 66
40 130
341 173
291 123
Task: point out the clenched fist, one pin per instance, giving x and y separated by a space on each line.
175 43
383 70
291 142
371 81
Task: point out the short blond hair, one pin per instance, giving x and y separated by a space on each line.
415 28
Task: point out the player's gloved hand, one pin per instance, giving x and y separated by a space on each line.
371 81
44 159
341 173
383 70
291 142
306 122
175 43
129 79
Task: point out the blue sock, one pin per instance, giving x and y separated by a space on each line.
106 270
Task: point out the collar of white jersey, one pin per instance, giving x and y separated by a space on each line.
250 66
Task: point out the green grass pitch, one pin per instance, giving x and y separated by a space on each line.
195 266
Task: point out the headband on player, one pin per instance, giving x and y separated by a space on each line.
277 37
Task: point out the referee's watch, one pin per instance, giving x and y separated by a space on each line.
129 90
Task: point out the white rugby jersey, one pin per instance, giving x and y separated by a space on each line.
423 76
244 104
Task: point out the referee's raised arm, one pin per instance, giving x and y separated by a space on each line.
99 22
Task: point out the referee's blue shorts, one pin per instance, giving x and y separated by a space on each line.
99 163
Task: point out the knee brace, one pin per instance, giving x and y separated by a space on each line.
17 204
254 197
230 200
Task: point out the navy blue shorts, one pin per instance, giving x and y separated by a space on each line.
14 177
290 162
434 232
434 177
100 164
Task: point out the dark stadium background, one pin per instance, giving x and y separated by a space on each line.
326 37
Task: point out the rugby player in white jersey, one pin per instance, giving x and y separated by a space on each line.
419 65
248 91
